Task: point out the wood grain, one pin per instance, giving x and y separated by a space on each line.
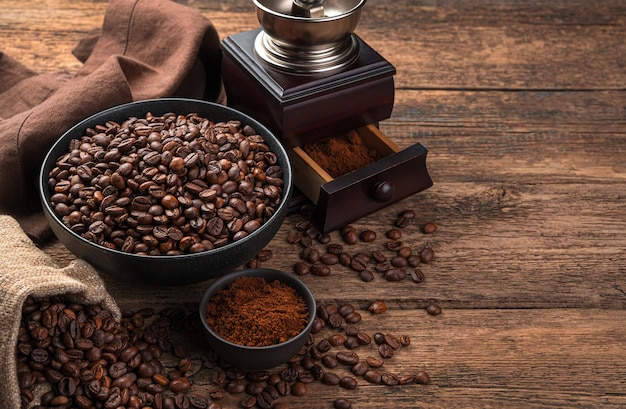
522 105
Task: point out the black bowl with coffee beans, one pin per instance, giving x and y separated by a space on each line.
167 191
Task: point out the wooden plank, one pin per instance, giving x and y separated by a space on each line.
434 45
456 44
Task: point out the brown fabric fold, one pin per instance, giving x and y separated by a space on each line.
145 49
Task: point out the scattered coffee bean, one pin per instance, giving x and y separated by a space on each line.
429 228
366 276
341 403
301 268
427 255
433 309
368 236
422 378
374 377
377 307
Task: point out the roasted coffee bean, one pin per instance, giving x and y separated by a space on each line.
217 394
345 259
318 325
330 378
320 270
323 312
348 382
394 234
324 238
426 255
405 340
299 389
334 248
294 237
350 236
289 374
413 260
306 377
330 361
311 255
367 236
374 377
417 275
358 264
385 351
351 343
272 392
366 276
394 245
363 338
360 368
347 358
336 339
395 274
283 388
324 345
335 320
405 218
341 403
265 255
351 330
329 259
301 268
353 317
399 261
374 362
433 309
377 307
178 385
254 388
390 379
392 341
422 378
429 228
67 386
248 402
345 309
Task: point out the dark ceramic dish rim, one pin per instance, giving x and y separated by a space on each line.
223 281
49 162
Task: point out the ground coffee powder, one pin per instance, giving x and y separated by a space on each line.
342 154
254 312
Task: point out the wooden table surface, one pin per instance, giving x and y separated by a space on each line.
522 105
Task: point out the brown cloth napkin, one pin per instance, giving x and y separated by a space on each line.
145 49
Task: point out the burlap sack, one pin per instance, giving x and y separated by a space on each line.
26 270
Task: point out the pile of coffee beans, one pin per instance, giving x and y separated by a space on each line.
394 260
91 361
166 185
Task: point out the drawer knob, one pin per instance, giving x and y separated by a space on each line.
383 191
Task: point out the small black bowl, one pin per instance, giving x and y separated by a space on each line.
162 269
256 358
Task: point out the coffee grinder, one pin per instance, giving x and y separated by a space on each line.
306 75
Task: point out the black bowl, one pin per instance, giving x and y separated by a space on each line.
257 358
178 269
